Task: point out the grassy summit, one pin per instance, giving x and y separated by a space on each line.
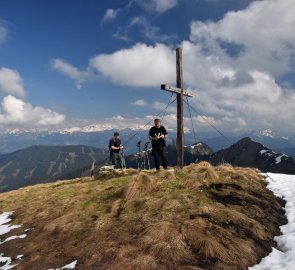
203 217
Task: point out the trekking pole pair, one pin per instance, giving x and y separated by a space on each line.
142 156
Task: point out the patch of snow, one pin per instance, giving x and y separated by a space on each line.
5 228
268 152
4 217
13 237
279 158
198 144
7 261
284 258
19 257
71 265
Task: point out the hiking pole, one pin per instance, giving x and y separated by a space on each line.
123 159
147 154
143 156
92 169
138 156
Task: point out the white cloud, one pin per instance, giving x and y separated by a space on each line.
149 31
164 5
3 33
158 6
142 27
232 66
235 95
141 65
16 111
139 102
110 15
264 29
74 73
11 82
244 86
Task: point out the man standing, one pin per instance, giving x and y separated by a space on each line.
158 135
115 147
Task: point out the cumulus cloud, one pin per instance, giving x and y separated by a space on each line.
11 82
243 86
3 33
139 102
110 15
74 73
16 111
141 65
237 89
158 6
233 66
264 32
235 95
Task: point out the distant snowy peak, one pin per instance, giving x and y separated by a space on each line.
96 128
268 133
248 153
278 158
70 130
199 148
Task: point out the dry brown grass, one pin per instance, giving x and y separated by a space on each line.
189 267
199 174
140 185
144 262
172 252
160 231
166 175
203 217
246 175
117 208
197 233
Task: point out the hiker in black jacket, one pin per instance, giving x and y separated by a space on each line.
158 135
115 147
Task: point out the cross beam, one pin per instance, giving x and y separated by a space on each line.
180 93
175 90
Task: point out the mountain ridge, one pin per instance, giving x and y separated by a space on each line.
202 218
37 164
248 153
17 139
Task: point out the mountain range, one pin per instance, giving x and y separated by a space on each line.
98 137
39 164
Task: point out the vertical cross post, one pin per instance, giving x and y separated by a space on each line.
180 93
179 84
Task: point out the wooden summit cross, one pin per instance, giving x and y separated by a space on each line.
180 93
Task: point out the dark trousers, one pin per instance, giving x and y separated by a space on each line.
159 152
116 157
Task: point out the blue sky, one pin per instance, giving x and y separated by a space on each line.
72 63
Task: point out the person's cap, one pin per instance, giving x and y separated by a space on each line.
116 134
